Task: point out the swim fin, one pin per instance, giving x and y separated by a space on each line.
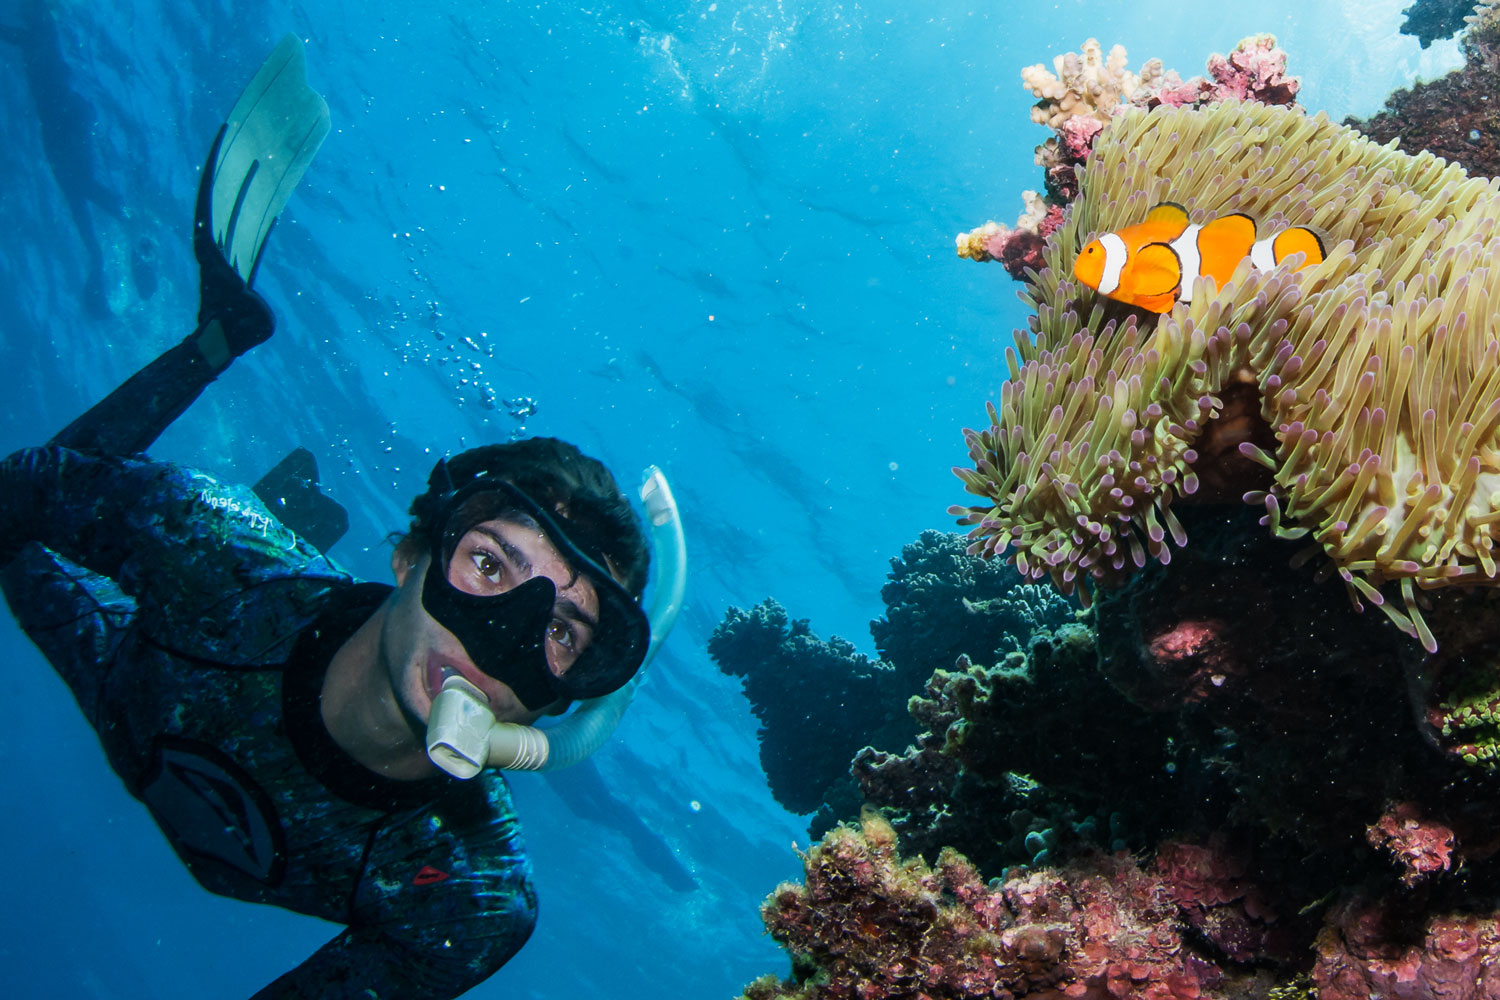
257 158
290 491
259 155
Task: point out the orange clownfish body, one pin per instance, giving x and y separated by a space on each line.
1153 265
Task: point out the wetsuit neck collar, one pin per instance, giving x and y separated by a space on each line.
347 609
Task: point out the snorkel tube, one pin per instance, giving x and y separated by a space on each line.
462 734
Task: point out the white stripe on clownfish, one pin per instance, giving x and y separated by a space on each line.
1189 260
1115 256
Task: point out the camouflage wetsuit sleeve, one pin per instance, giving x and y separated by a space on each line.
195 631
180 543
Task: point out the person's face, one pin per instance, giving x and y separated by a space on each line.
491 558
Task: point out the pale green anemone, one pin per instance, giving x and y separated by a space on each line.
1378 369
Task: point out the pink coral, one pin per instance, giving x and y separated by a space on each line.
1254 71
1020 248
1197 658
1210 885
1372 948
1077 135
876 927
1422 846
1174 92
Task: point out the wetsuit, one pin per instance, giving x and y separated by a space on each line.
194 631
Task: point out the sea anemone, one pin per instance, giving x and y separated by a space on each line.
1377 371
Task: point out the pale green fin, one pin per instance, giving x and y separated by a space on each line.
269 139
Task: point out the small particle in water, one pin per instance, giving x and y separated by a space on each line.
695 806
893 466
1473 135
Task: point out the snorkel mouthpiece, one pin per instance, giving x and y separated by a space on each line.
458 729
463 736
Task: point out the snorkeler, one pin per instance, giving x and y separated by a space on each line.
271 711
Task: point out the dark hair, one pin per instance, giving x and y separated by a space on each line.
577 489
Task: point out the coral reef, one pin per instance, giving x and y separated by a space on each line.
1195 702
1369 949
867 924
1109 417
1421 846
1430 20
820 701
1456 117
817 701
1311 799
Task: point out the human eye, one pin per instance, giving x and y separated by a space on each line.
489 566
561 631
481 567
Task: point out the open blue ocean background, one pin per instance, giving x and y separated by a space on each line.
714 236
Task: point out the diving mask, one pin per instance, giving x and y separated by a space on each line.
543 649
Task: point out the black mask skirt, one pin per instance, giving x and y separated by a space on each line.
505 634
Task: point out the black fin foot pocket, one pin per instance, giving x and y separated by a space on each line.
290 491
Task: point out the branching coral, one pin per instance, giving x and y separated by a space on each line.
1378 371
988 770
1430 20
942 603
818 701
1086 84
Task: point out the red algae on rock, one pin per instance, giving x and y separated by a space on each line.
1422 846
870 925
1371 949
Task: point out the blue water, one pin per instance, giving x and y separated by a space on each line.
712 236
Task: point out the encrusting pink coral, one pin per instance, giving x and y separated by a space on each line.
1420 845
1211 886
1016 248
874 926
1373 949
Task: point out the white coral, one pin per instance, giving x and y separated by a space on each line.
1486 12
1086 84
1036 211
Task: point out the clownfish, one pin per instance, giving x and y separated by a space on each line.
1154 264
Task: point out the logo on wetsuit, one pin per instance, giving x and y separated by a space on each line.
428 876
